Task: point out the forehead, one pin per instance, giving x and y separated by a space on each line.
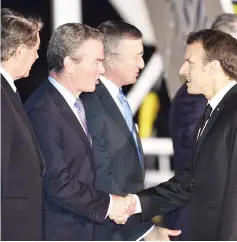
194 51
130 46
91 47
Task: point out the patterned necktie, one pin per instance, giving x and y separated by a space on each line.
82 116
127 114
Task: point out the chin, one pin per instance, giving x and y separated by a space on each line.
91 89
26 74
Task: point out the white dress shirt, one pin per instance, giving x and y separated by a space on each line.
113 90
68 96
216 100
9 78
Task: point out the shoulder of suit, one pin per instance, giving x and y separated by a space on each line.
38 99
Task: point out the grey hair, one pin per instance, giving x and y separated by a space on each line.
66 40
114 31
225 22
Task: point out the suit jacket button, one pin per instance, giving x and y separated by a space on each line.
193 184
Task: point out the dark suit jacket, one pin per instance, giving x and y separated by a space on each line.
72 205
21 169
116 161
211 180
185 111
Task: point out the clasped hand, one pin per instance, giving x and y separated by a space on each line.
122 208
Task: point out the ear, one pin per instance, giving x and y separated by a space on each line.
213 66
217 65
69 65
20 52
109 62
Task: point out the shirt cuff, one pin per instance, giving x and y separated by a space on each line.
110 205
138 204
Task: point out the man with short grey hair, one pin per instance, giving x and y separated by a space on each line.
72 204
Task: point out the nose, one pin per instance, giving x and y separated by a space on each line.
183 69
140 63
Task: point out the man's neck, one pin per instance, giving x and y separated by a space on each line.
10 68
113 79
219 85
64 81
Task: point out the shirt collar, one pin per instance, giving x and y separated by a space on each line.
111 87
219 96
9 78
68 96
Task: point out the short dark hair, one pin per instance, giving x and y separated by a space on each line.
217 46
113 31
17 29
66 40
226 22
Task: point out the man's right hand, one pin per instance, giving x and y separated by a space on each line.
122 208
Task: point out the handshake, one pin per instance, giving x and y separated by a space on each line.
122 208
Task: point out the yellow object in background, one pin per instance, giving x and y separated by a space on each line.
147 114
235 7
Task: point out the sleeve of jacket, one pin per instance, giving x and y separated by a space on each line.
228 222
105 179
166 197
62 188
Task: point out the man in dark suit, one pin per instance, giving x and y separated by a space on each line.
21 164
118 155
185 111
72 204
208 183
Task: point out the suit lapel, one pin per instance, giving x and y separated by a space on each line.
207 129
69 116
21 111
115 113
214 116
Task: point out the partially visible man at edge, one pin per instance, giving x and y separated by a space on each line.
21 162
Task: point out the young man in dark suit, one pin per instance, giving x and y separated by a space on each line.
118 155
72 204
185 111
208 183
21 163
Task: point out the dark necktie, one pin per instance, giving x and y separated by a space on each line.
207 114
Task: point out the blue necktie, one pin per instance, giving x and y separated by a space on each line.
127 114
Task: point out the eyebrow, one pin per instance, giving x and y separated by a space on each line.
100 59
188 60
